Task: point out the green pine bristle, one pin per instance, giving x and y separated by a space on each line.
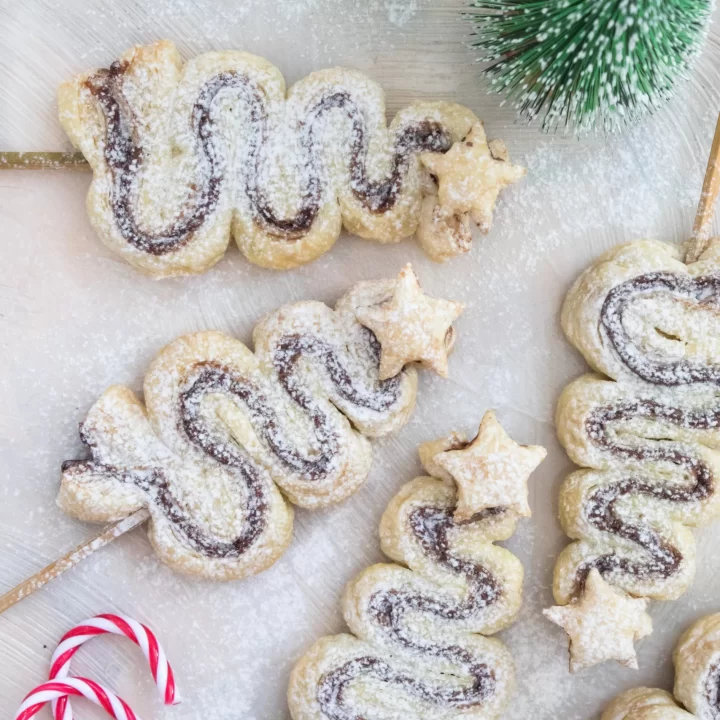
587 64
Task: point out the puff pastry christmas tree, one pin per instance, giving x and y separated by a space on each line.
226 436
645 427
186 156
420 625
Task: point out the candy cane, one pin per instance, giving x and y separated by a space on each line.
54 690
141 635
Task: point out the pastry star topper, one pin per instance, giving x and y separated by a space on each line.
603 624
411 327
490 471
471 175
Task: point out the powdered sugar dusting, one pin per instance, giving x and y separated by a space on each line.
75 320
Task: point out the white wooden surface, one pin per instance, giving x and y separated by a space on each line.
73 319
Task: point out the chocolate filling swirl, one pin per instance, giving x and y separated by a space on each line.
711 689
212 378
431 527
663 559
700 291
154 483
125 158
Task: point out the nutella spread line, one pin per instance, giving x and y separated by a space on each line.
125 156
430 527
704 291
711 689
663 559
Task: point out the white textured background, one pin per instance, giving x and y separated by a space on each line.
73 319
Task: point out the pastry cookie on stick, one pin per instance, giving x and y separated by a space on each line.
223 430
186 155
647 430
419 647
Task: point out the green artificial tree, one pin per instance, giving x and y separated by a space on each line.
588 64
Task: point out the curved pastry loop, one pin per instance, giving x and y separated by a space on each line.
225 430
697 681
184 155
650 436
644 704
419 647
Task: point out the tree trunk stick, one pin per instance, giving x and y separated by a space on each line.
44 576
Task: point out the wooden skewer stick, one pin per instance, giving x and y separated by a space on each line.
706 206
43 161
44 576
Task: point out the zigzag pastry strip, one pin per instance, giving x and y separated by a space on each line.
185 155
651 434
697 681
418 648
222 429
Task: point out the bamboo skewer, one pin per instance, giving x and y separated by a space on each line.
708 198
44 576
43 161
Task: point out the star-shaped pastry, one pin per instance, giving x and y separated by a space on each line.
411 327
491 471
471 175
602 624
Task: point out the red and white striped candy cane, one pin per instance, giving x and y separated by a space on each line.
141 635
62 689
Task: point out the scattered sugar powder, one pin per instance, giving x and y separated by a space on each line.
75 320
